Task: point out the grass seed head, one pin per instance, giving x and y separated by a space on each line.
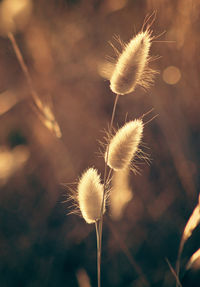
124 145
132 65
90 195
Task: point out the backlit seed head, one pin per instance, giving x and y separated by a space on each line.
90 195
124 145
132 65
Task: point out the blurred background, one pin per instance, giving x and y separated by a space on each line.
65 44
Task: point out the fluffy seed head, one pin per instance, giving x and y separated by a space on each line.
131 67
124 145
90 195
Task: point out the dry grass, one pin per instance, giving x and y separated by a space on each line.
63 45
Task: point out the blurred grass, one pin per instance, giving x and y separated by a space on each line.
63 45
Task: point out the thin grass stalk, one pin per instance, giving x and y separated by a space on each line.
178 262
97 226
100 222
23 67
106 161
178 283
50 119
109 131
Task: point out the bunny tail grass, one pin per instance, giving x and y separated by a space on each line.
132 65
90 196
124 145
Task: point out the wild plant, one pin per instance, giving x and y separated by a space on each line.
190 226
14 15
130 70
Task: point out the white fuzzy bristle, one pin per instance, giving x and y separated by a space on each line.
90 195
132 66
124 145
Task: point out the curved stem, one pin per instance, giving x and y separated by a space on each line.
54 127
24 69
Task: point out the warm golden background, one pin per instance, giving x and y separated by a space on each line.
65 45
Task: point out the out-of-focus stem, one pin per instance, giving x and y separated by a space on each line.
24 69
49 118
178 261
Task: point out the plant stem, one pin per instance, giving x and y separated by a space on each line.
52 124
97 225
24 69
178 261
107 151
178 283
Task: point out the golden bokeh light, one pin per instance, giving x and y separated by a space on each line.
171 75
116 5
